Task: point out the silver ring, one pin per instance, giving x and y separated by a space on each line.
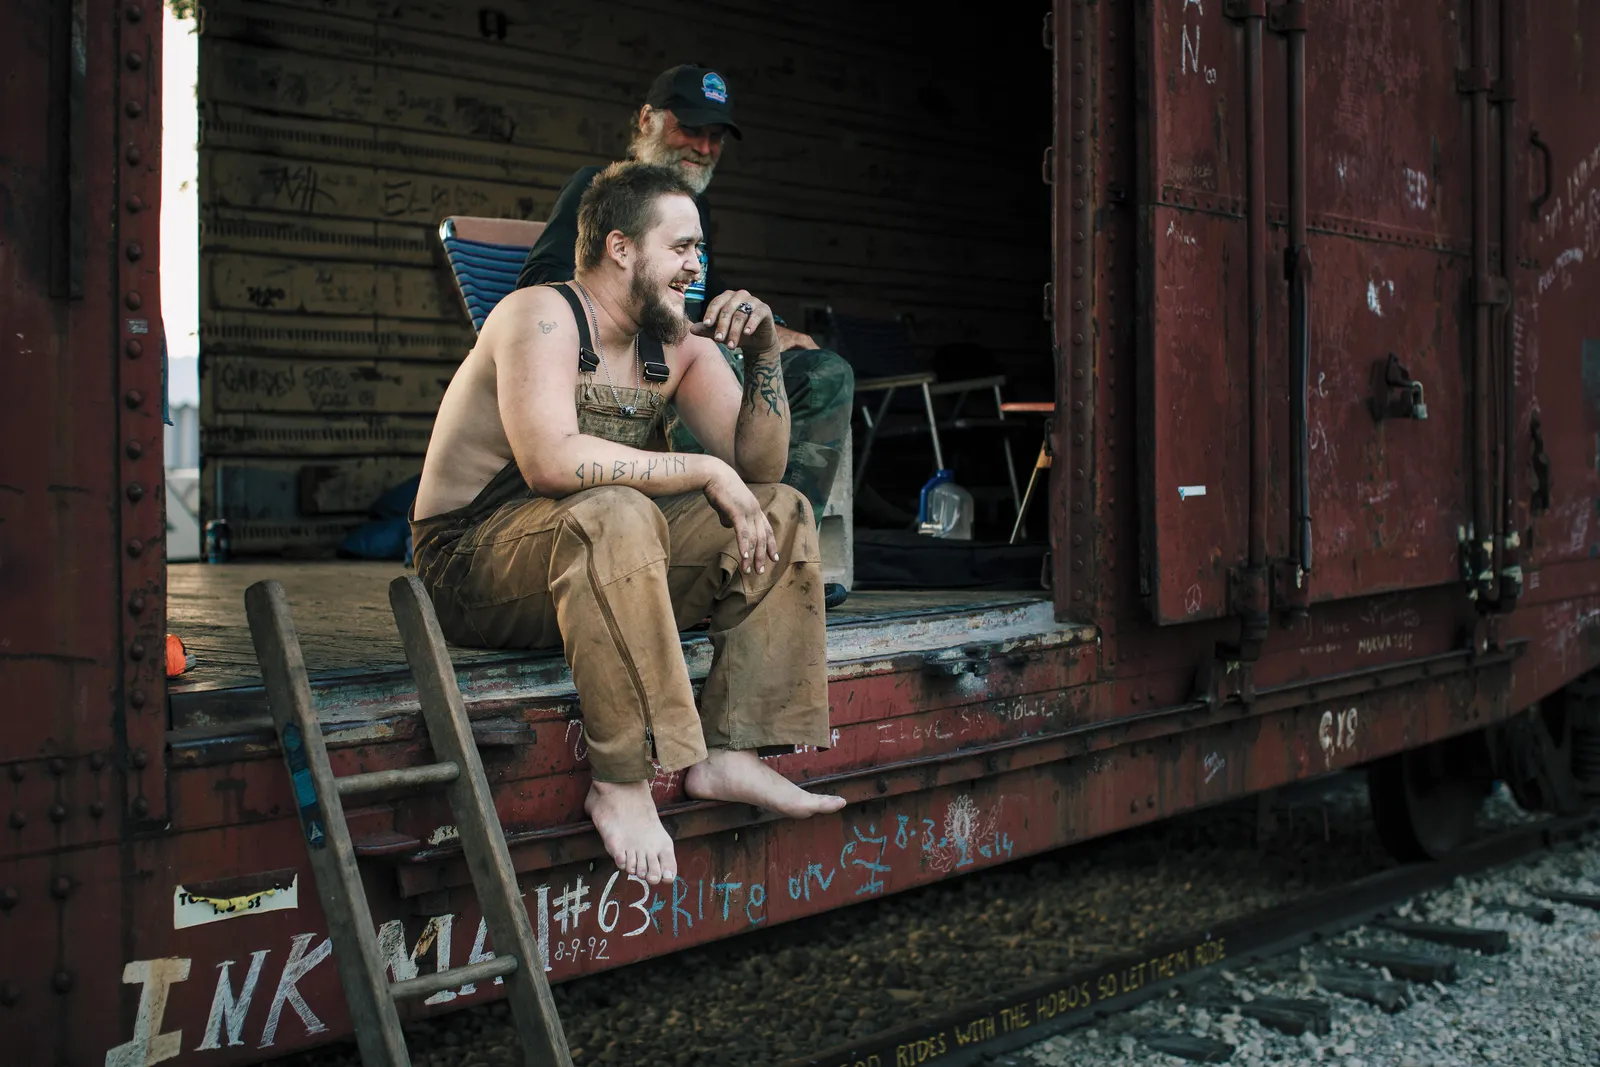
747 307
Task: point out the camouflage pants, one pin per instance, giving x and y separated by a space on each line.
821 387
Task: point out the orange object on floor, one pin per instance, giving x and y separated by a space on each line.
177 656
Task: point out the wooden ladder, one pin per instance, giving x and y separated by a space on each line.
319 797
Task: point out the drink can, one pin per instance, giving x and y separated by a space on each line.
218 542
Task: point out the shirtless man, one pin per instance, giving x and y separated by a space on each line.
551 513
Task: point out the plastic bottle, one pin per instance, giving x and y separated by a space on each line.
946 509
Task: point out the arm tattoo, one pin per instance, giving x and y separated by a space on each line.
546 327
594 473
764 382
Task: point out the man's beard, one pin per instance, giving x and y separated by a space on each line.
652 150
656 317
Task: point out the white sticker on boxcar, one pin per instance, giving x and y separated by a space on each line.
1187 491
197 909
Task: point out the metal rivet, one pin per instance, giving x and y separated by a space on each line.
1077 305
133 301
135 12
1077 101
9 898
1077 168
137 699
1077 438
134 398
1077 338
136 603
58 813
134 109
882 785
19 819
96 808
133 155
1133 807
135 204
134 450
1077 372
1077 509
1077 35
141 807
62 982
1077 201
10 994
1151 693
1149 802
135 492
1077 135
1077 272
1077 564
136 650
57 765
1078 473
1077 539
134 349
1077 68
1133 698
1077 236
1077 594
97 761
140 758
135 61
135 251
1077 405
135 547
18 772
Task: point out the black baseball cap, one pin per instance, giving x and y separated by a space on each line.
696 95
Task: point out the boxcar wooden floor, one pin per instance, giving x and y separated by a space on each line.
341 610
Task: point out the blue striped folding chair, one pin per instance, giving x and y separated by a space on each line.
486 255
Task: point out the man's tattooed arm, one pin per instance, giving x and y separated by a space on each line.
763 387
761 435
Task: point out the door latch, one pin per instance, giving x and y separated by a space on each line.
1395 394
1541 470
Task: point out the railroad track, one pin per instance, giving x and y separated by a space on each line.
866 980
1031 1012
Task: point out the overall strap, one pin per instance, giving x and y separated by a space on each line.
654 359
588 362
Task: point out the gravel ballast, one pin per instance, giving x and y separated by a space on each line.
1538 1002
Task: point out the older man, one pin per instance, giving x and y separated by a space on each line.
551 512
686 117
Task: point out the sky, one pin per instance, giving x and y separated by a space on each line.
180 209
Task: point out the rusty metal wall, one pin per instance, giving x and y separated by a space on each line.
336 136
81 511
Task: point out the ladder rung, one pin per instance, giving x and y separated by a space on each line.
372 781
428 984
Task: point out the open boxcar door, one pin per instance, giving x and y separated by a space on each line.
1388 194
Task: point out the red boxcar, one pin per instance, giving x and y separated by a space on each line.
1324 492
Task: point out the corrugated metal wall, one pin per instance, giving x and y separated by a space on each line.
892 161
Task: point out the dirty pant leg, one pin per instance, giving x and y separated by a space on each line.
821 388
597 562
768 682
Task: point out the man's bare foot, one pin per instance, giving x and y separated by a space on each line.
625 815
738 775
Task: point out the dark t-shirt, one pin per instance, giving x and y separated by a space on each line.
553 256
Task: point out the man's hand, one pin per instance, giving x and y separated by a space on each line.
737 506
788 339
728 320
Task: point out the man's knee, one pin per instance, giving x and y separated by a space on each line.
617 515
830 380
784 505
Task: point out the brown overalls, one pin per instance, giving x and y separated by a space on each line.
612 575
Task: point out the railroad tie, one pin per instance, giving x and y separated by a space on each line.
1413 965
1488 942
1581 900
319 796
1386 996
1537 912
1198 1049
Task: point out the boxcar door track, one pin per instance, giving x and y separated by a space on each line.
319 796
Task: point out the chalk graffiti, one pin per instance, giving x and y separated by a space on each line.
1336 733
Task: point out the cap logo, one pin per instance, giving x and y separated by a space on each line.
714 87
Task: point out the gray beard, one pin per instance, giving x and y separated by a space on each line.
658 154
656 317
